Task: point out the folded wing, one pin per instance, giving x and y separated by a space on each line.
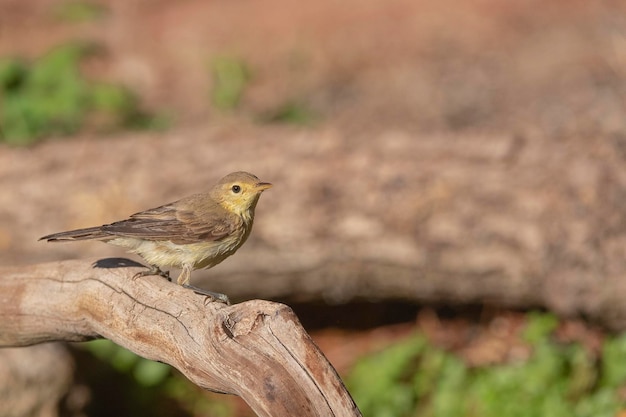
180 225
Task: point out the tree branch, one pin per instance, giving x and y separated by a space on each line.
257 349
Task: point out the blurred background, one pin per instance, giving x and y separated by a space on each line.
447 217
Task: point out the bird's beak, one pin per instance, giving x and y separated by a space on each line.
262 186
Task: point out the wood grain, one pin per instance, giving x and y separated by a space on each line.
256 349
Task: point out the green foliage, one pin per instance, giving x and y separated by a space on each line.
413 378
79 11
147 373
382 382
51 97
197 404
156 381
539 327
613 358
293 112
231 76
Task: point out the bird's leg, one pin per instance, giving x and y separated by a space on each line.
185 275
153 270
183 280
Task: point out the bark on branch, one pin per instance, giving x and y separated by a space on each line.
257 349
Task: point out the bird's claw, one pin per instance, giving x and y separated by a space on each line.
153 270
215 296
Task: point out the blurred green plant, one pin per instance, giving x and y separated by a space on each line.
291 112
231 77
147 373
50 97
414 378
158 380
79 11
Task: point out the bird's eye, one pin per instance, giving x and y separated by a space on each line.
236 189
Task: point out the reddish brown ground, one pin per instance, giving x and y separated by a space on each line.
374 64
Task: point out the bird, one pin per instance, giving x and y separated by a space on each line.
195 232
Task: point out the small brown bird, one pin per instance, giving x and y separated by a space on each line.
198 231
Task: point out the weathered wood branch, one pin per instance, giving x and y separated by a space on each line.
257 349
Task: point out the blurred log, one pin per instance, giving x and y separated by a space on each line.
34 380
257 349
522 221
531 220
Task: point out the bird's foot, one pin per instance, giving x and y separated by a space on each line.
215 296
153 270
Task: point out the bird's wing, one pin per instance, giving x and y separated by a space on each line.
178 223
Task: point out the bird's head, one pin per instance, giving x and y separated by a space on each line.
239 192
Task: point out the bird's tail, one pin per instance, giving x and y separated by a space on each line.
78 234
